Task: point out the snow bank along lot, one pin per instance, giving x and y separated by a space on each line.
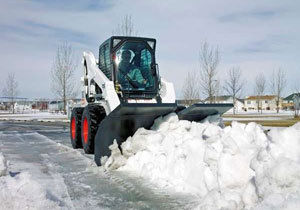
236 167
35 116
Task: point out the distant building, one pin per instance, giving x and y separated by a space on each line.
40 104
290 101
7 104
266 102
56 106
296 99
22 107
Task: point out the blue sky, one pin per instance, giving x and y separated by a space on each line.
258 36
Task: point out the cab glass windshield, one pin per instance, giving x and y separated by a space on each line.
133 66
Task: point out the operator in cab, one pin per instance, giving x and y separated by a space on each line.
129 74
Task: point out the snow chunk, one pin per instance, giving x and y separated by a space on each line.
3 165
117 161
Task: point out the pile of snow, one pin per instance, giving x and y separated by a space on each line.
23 191
236 167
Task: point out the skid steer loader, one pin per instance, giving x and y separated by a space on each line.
122 92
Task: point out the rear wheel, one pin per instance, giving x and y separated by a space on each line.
91 117
75 127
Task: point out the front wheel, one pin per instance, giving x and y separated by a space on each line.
91 117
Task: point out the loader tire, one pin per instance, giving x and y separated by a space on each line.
75 127
92 115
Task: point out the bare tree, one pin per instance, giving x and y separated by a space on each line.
62 73
209 60
126 28
234 85
10 89
260 87
278 83
190 89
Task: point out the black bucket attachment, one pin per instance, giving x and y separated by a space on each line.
124 121
198 112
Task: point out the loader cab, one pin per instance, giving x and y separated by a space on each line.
130 63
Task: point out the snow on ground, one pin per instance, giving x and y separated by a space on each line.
39 116
30 189
253 115
258 118
47 155
235 167
264 113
